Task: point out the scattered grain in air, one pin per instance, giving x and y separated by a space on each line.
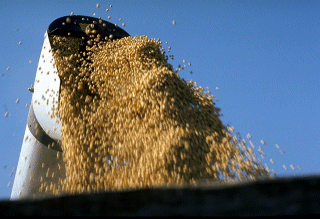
109 17
230 128
20 43
123 24
272 161
120 19
71 13
9 184
98 5
30 61
281 151
260 150
174 22
299 167
68 20
8 68
251 143
277 146
263 142
12 172
107 9
110 6
218 89
267 167
17 100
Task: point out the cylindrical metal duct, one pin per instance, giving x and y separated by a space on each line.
36 158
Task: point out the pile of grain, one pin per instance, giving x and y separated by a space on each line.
129 121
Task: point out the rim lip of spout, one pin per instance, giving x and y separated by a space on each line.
76 25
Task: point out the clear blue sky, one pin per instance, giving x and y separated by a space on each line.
262 55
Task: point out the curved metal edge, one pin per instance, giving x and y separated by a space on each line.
37 131
75 25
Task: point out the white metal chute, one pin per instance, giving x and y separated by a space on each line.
38 162
46 92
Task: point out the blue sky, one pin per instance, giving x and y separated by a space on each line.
262 55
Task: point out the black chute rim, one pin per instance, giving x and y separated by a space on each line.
74 25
